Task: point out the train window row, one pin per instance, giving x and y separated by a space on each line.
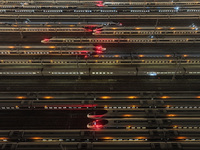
185 107
102 72
67 73
98 73
36 52
164 72
119 107
64 107
52 11
9 107
16 62
143 32
41 29
129 127
91 61
194 72
29 11
82 10
129 139
193 10
18 72
5 52
121 40
140 11
176 127
150 3
100 11
167 10
39 53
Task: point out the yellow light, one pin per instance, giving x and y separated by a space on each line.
127 115
36 138
137 28
171 115
45 106
28 25
172 28
165 97
140 137
48 25
3 138
96 56
105 97
48 97
105 106
17 106
185 55
168 106
158 28
52 47
80 46
107 138
175 126
140 55
20 97
181 137
27 47
168 55
71 25
116 55
11 47
197 96
14 25
114 28
132 97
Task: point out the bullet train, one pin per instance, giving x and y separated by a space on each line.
168 3
122 40
51 50
167 70
147 31
144 123
146 113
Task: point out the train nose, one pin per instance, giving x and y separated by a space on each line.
45 41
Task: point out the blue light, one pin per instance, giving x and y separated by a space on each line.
152 73
151 36
176 8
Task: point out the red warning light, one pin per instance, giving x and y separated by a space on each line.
84 51
88 30
99 47
98 52
99 3
96 124
46 40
